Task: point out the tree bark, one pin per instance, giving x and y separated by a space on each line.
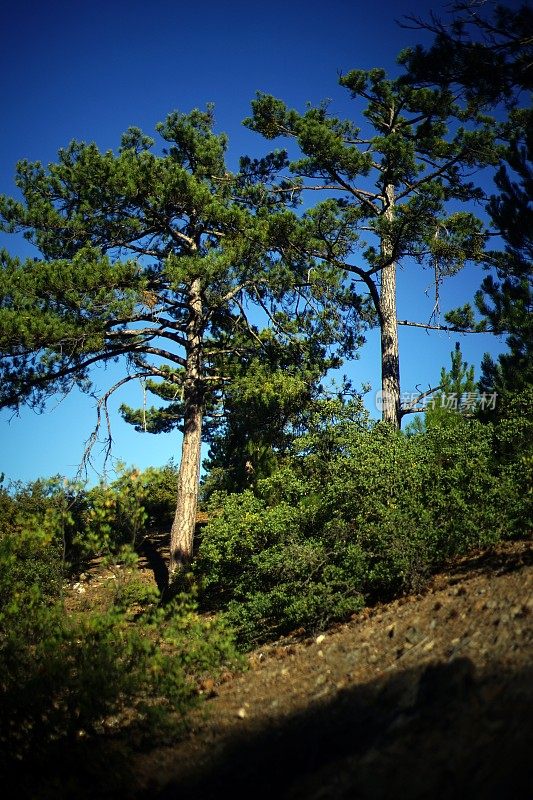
182 532
390 354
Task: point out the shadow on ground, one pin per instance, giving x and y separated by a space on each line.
495 562
440 732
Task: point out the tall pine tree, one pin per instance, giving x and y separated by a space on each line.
485 53
394 181
507 300
148 259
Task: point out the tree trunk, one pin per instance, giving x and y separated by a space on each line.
390 355
182 532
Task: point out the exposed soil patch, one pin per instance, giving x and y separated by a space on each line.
431 695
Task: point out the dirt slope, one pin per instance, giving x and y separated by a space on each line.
428 696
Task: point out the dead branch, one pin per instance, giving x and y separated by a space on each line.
448 328
411 408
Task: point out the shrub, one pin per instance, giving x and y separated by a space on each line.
114 515
63 676
468 497
514 454
259 563
123 512
360 512
160 490
34 523
374 487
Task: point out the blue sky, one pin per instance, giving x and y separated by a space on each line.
79 70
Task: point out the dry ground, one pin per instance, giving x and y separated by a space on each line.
428 696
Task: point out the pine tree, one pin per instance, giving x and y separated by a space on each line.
485 51
456 395
393 180
458 387
149 260
507 302
485 54
264 406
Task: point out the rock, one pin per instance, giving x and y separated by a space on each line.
242 713
320 639
413 635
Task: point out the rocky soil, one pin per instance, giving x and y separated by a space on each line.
428 696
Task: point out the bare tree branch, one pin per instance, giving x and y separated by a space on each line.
103 410
450 328
411 409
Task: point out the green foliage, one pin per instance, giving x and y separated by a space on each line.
272 577
49 508
114 515
457 394
484 56
268 404
80 522
127 660
468 498
394 178
514 452
123 512
357 513
150 259
507 300
159 490
403 129
64 676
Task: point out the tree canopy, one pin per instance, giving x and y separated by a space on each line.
151 259
485 55
395 179
486 52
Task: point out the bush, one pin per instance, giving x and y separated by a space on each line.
114 515
160 490
468 496
259 564
514 453
34 523
63 676
123 512
360 512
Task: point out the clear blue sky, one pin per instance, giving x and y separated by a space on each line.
89 70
